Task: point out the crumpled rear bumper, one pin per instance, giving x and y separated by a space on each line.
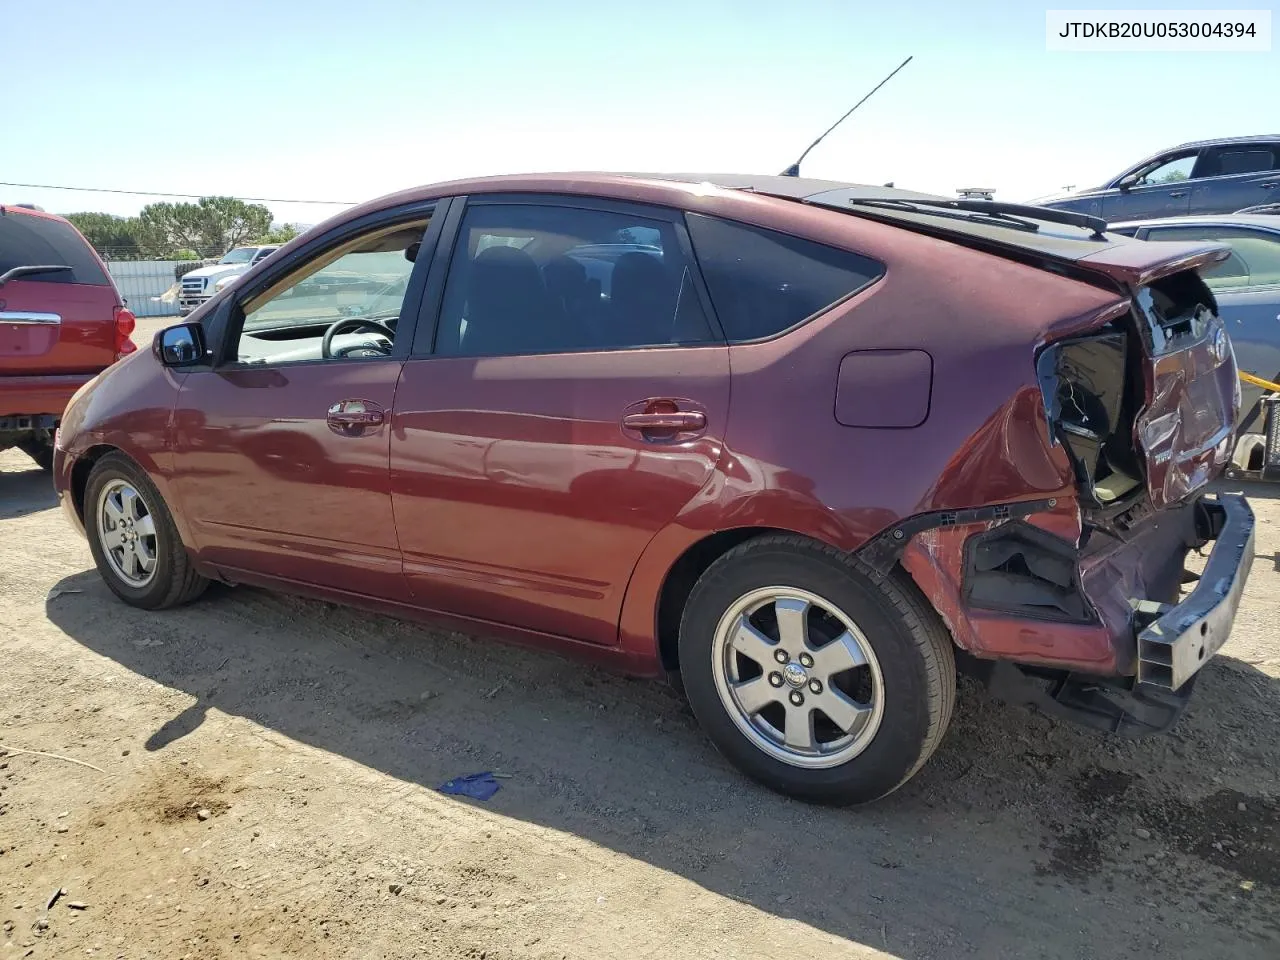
1176 641
1131 668
1131 584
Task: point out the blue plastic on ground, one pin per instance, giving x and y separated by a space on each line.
478 786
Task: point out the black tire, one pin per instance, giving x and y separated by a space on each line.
40 450
912 648
175 580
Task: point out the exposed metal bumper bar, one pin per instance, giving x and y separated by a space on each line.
1182 638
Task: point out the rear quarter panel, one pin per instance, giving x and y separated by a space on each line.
980 318
788 463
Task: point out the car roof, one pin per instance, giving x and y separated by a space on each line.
1049 237
1262 221
7 209
1258 138
794 188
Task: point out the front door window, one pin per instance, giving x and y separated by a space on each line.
344 304
1169 170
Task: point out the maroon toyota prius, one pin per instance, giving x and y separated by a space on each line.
814 446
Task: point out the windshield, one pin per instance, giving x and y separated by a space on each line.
238 255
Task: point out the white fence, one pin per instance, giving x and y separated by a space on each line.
143 282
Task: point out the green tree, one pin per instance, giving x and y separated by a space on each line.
281 234
211 226
110 235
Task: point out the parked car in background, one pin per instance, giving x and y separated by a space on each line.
1208 177
811 445
1246 285
198 285
62 321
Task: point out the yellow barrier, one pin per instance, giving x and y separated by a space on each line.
1259 382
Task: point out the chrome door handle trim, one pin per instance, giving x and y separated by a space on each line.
676 420
25 318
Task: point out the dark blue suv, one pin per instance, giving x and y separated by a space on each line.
1209 177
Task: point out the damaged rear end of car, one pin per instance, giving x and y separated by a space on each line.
1144 408
1081 605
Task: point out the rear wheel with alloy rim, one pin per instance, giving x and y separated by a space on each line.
813 675
133 538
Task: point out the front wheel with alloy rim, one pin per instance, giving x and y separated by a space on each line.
133 538
814 675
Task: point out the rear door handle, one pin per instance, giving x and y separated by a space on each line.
679 420
355 413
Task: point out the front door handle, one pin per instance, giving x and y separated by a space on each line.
679 420
347 414
1178 194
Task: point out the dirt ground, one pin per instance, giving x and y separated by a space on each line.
267 773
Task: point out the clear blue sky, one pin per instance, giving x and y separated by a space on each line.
348 100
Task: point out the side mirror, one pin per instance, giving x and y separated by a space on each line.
1126 183
181 346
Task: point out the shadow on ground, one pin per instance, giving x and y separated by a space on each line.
1019 829
25 491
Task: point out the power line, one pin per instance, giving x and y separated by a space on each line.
186 196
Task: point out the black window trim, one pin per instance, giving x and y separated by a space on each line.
835 304
227 322
428 326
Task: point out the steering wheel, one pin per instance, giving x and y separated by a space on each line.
354 323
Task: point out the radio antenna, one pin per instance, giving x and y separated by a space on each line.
794 169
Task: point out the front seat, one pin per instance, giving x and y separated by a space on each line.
506 304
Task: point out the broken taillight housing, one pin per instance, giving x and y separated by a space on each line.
1083 382
125 322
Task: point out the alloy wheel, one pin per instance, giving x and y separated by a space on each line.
798 677
127 533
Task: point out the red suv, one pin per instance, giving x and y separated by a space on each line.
814 446
61 323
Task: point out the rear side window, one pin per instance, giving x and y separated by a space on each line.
30 241
1227 161
763 282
